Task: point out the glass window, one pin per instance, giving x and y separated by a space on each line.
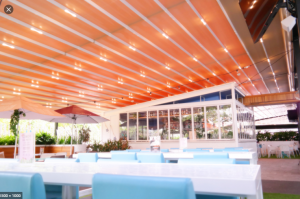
210 97
186 121
199 127
123 126
132 126
152 123
142 126
238 95
226 95
174 124
163 125
188 100
212 122
226 121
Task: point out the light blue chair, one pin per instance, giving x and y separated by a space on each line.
30 184
118 151
65 160
133 150
147 148
9 160
164 150
174 148
192 150
237 148
110 186
214 155
116 161
206 161
88 157
123 156
205 148
151 157
218 150
55 191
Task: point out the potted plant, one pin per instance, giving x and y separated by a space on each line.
84 135
14 124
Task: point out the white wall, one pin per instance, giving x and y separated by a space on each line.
110 129
248 144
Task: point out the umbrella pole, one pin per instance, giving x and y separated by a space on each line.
72 137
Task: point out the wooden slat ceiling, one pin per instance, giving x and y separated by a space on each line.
124 49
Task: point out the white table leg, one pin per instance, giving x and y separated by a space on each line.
69 192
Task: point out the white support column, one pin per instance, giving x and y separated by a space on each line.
169 124
205 126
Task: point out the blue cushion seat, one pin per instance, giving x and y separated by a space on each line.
117 161
199 196
205 148
151 157
133 150
116 151
110 186
218 150
164 150
123 156
206 161
236 150
215 155
88 157
30 184
192 150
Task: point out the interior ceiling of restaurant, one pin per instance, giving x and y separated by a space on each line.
112 53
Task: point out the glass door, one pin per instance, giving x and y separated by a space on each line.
142 129
163 125
186 122
152 122
212 121
174 124
199 124
123 126
132 126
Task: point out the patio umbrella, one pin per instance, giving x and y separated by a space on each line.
32 110
76 115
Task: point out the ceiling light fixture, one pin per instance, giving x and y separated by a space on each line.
273 73
65 99
97 105
81 93
252 84
130 95
203 21
214 74
150 93
166 36
100 88
71 13
261 40
77 68
38 31
240 67
113 101
168 86
132 48
195 59
269 60
190 80
225 50
1 98
34 84
10 46
102 58
246 67
48 105
17 91
167 67
142 75
120 82
55 76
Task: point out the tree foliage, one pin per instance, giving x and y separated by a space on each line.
14 121
278 136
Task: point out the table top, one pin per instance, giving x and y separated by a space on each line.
217 179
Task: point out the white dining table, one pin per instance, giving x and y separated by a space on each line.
248 156
230 180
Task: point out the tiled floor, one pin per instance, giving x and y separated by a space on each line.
280 175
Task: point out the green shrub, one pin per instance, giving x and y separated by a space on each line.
7 140
44 138
121 144
278 136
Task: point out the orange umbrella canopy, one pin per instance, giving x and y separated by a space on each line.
30 108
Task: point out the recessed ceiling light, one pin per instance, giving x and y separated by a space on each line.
132 48
38 31
71 13
261 40
269 60
165 35
225 50
203 21
167 67
195 59
10 46
102 58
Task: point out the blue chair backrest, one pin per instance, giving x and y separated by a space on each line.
234 148
218 150
151 157
191 150
174 148
214 155
61 160
9 160
145 187
30 184
204 148
206 161
123 156
118 151
112 161
88 157
164 150
147 148
133 150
